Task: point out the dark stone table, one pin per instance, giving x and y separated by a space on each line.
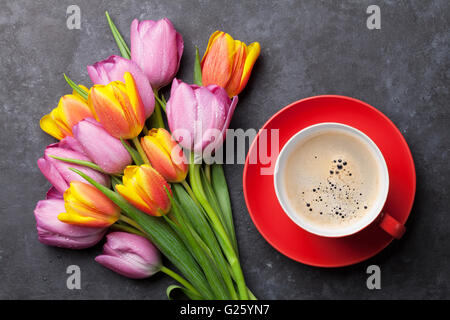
308 48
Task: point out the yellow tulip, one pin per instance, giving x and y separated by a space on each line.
165 155
228 63
87 206
118 107
71 109
144 188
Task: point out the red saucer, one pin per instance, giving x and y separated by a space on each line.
298 244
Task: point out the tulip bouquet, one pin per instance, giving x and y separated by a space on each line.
117 171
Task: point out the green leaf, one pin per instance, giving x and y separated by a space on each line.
191 295
220 187
126 228
209 192
162 236
80 162
161 102
156 119
199 222
75 87
133 153
219 230
121 44
188 235
197 69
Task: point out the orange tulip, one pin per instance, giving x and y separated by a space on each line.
118 107
87 206
144 188
71 109
165 155
228 63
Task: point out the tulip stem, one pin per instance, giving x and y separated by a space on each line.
133 153
161 103
128 229
208 172
189 191
138 146
180 279
156 118
132 223
222 236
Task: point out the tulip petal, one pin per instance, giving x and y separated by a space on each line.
218 142
108 110
136 107
211 118
70 110
53 193
127 245
49 126
52 174
252 54
153 184
217 63
124 267
64 171
74 109
182 113
53 232
114 68
105 150
180 48
85 205
71 143
199 116
159 157
132 196
165 155
118 107
90 197
143 186
234 84
156 47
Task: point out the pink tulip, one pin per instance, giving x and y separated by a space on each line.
130 255
157 48
71 143
199 116
52 193
58 173
53 232
113 69
104 149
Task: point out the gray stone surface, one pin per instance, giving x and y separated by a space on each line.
308 48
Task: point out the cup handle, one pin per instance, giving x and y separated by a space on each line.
392 226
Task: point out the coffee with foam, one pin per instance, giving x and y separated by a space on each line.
332 179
